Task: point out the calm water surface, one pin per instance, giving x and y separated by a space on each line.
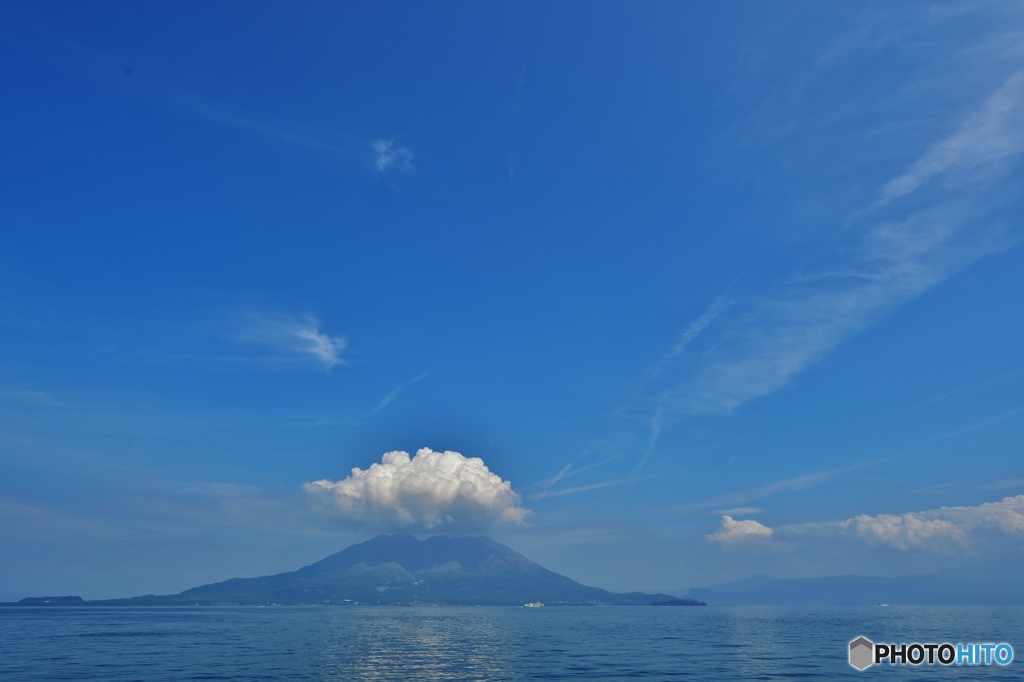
483 643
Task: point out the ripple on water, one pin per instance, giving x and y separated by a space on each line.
481 643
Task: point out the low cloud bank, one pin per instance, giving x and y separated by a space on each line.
431 491
942 529
905 531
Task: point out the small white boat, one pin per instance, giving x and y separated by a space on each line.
532 605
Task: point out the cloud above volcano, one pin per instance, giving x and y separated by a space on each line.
430 491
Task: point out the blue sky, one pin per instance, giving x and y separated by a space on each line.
710 290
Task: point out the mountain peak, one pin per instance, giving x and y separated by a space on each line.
471 553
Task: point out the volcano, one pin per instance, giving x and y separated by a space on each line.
401 569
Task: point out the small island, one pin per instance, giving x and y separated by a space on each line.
679 602
49 601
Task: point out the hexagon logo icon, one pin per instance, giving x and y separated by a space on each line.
862 653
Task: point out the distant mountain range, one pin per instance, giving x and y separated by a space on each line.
862 590
400 569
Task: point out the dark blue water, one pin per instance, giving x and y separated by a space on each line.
482 643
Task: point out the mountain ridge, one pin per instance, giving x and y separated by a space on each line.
854 590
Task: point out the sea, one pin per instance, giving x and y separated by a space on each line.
487 643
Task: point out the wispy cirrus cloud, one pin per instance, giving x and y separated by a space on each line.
547 486
979 425
388 157
317 137
393 393
904 251
991 135
313 138
293 338
740 511
219 489
591 486
28 397
687 337
1004 484
785 485
692 331
971 388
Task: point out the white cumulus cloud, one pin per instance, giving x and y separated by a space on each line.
430 491
734 532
